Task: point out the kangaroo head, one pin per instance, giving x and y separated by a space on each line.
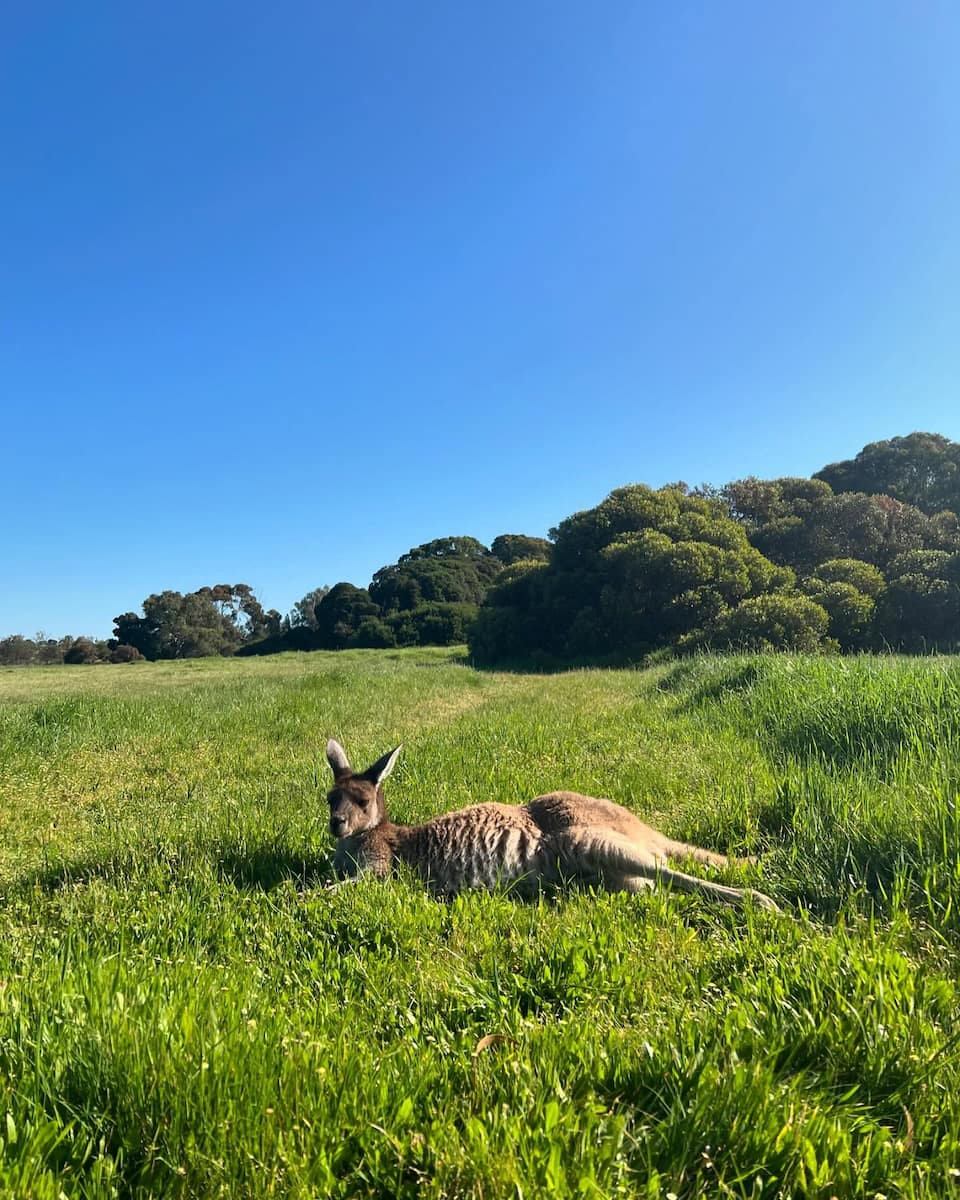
355 801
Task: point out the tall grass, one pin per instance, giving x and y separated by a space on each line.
187 1009
866 760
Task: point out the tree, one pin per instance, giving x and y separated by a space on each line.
447 547
863 576
240 611
212 620
434 624
304 612
850 612
340 614
509 548
507 625
638 572
140 632
455 570
49 650
661 587
921 469
755 502
920 609
17 651
374 634
847 590
800 523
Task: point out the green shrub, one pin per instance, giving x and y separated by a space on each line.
773 622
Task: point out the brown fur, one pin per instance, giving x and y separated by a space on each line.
556 838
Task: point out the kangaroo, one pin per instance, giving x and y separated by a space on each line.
557 838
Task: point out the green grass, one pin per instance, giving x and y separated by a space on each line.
187 1009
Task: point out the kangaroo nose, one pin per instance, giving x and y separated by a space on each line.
337 825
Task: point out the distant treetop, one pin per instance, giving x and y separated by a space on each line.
922 469
517 547
447 547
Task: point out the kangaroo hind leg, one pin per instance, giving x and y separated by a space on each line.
625 865
714 891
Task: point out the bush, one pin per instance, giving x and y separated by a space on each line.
373 634
125 654
850 611
82 650
863 576
774 622
443 624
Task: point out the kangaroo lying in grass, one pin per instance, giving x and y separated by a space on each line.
557 838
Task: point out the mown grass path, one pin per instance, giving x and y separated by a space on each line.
186 1009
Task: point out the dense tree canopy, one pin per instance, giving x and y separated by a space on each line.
446 571
340 614
518 547
429 596
800 523
638 572
785 563
920 608
847 590
448 547
921 469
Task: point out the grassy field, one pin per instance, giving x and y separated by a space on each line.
188 1009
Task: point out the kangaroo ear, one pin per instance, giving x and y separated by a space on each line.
382 767
337 758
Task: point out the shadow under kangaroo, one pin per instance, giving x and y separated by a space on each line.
558 838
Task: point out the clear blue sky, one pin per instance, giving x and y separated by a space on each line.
289 288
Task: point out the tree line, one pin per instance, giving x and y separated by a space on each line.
792 564
430 596
863 555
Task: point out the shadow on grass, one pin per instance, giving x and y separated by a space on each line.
55 877
701 680
541 663
260 868
264 868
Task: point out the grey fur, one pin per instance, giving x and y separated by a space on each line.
556 838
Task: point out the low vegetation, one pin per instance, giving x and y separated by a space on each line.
187 1008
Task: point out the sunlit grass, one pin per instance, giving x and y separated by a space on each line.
186 1008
